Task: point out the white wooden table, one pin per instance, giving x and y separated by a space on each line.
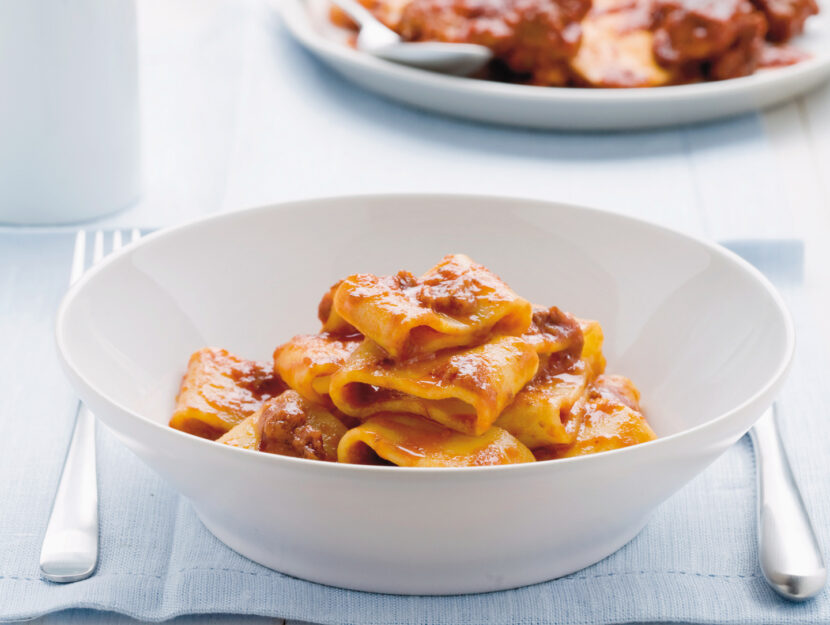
236 115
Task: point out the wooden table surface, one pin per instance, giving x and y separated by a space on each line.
217 137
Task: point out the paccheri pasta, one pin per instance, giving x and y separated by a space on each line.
451 369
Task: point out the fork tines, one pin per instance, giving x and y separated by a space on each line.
100 238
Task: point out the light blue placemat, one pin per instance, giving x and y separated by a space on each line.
694 562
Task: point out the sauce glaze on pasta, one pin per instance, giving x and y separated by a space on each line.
450 369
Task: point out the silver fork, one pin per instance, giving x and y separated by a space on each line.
70 545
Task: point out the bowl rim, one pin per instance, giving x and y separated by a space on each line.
75 374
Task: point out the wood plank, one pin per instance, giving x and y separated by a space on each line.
815 109
732 164
800 137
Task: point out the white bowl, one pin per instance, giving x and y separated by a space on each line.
703 334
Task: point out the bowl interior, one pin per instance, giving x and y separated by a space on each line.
697 330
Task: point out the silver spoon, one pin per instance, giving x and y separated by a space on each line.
789 552
376 39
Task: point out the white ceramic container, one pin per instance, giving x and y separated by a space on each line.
559 108
69 122
702 333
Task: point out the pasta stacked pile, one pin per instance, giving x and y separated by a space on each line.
449 369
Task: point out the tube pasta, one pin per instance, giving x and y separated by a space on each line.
456 303
463 389
610 418
452 369
307 362
541 413
219 390
244 434
412 441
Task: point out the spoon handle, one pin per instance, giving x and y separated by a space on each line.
357 12
789 552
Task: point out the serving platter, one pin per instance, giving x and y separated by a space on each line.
553 107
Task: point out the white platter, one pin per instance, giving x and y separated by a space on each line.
703 335
560 108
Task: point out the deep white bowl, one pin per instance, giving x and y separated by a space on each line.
703 334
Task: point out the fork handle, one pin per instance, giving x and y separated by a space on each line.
789 552
70 546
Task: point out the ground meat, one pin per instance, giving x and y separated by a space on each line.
723 37
554 326
291 426
456 297
786 17
531 37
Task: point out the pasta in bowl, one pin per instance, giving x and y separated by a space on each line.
450 369
703 335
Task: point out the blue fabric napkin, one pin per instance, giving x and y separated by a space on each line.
694 562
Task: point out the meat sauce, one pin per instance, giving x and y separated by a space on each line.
608 43
513 378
